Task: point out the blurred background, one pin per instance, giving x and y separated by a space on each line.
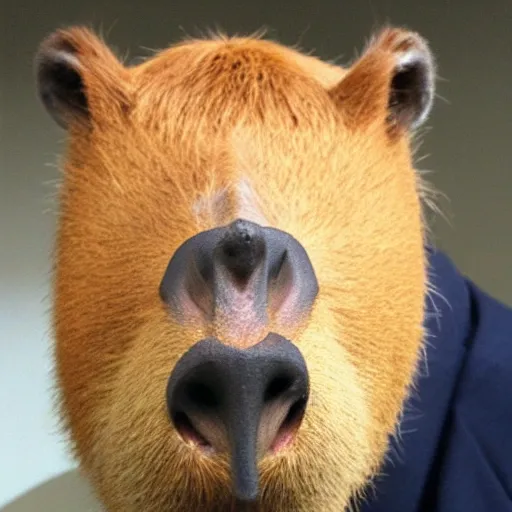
467 145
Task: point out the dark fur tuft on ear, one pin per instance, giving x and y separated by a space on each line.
59 81
79 79
393 82
412 86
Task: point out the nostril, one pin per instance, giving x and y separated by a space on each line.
295 413
195 405
290 425
230 251
187 430
201 395
277 387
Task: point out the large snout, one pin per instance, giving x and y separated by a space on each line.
238 393
243 402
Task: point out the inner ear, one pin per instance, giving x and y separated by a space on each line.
60 84
392 83
79 79
412 89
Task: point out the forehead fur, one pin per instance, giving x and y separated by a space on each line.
204 86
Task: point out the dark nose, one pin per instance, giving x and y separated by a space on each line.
244 402
241 249
267 270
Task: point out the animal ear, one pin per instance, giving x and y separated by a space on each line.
392 82
78 78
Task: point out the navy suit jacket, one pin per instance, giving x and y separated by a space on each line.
455 453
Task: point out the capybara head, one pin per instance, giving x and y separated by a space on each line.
240 270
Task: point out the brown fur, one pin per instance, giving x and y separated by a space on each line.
185 142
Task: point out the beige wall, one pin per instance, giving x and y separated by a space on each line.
469 145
